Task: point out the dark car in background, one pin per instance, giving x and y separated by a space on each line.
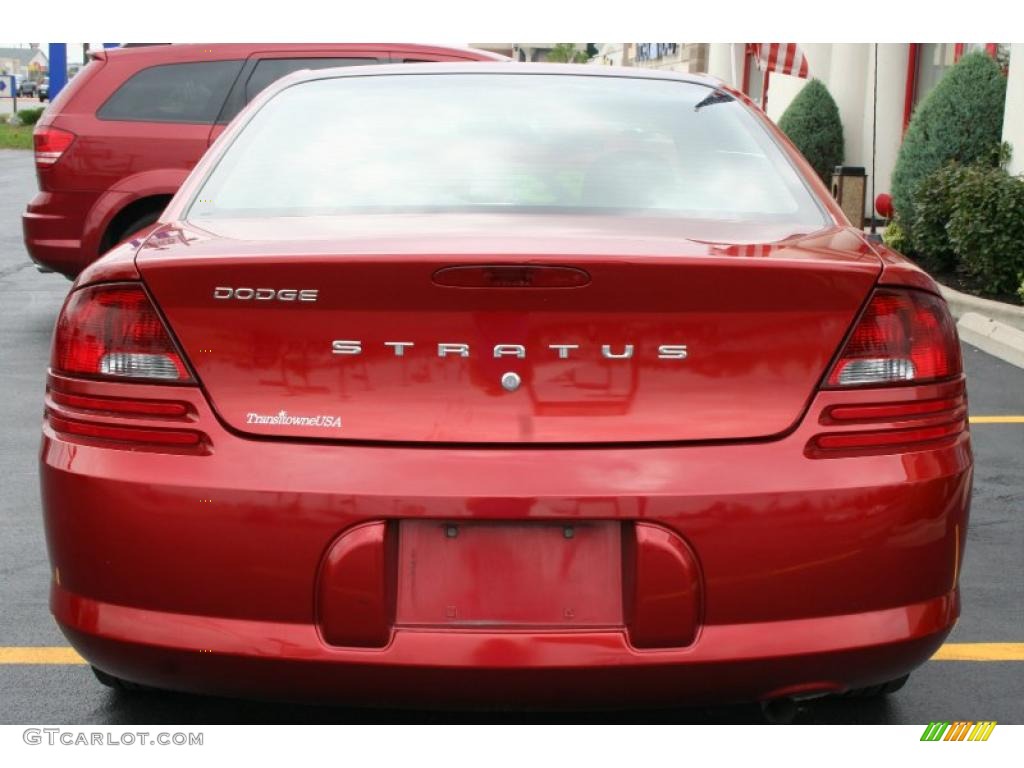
27 88
121 137
43 91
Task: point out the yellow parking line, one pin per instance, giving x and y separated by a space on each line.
997 419
58 654
980 652
53 655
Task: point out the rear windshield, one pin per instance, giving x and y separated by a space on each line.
506 142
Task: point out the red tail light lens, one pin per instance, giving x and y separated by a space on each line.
184 438
50 144
113 331
903 337
160 409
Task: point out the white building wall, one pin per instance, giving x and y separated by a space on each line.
847 70
611 54
892 89
1013 118
725 63
847 80
782 89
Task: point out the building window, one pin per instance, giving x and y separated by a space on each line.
753 79
933 60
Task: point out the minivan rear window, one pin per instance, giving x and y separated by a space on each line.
269 70
191 92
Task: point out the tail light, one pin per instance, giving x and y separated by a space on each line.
181 438
903 337
97 404
113 331
50 144
892 427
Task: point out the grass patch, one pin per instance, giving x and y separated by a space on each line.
15 136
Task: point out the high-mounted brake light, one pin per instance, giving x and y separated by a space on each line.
50 144
113 331
903 337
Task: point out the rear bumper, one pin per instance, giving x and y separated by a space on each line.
730 663
54 228
212 572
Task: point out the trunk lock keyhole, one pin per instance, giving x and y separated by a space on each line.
510 381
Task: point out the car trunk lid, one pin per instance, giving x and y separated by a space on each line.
657 336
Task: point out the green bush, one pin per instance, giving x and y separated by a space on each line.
1020 291
933 207
566 53
811 121
30 116
960 120
986 228
934 202
894 236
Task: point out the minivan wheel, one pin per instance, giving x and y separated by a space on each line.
135 225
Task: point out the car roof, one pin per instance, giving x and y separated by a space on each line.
202 51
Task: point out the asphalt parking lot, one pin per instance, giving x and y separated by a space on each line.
30 692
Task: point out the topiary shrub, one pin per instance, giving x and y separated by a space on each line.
811 121
986 228
960 120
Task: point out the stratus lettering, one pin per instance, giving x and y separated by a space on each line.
352 347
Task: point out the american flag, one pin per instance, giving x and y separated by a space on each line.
786 58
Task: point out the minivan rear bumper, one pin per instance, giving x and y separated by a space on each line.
228 570
54 225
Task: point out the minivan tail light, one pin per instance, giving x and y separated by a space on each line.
902 337
50 144
113 331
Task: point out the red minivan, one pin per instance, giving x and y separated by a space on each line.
120 139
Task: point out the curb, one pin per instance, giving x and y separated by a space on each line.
961 304
993 336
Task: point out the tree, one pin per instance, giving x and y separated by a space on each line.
566 53
961 120
811 121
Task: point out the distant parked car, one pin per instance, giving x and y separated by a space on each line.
27 88
44 89
122 136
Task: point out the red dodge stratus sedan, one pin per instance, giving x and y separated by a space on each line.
500 384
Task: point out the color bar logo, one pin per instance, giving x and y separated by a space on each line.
961 730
